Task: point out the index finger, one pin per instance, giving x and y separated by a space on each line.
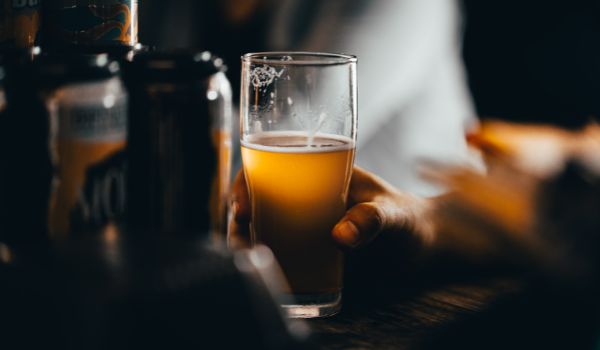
238 235
364 186
240 201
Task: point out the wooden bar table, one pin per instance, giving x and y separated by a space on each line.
459 305
415 313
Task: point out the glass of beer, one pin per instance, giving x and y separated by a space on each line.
298 134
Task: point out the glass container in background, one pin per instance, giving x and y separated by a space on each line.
89 124
26 169
66 177
179 144
298 134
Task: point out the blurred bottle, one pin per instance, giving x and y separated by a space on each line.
89 24
19 23
67 176
88 114
179 143
26 175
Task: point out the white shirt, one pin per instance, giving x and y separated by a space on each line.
413 102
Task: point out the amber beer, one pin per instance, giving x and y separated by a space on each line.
298 189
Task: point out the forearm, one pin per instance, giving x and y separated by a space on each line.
446 228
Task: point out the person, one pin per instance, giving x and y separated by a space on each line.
414 105
520 83
413 102
535 207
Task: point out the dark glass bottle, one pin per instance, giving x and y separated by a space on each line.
179 143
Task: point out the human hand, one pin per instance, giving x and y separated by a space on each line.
375 208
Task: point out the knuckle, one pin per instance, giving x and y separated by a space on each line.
372 213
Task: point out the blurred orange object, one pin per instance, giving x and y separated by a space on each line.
502 213
541 150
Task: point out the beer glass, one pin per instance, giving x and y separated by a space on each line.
298 134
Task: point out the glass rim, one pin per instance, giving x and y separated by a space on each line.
315 58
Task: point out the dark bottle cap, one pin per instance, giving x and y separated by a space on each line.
71 68
175 66
118 53
19 55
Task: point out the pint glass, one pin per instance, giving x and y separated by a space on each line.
298 133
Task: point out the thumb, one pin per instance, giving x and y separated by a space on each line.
361 224
238 235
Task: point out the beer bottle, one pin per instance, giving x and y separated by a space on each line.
179 143
88 115
25 153
63 172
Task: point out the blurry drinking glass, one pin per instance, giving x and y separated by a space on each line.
298 133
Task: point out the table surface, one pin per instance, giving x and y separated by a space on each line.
412 315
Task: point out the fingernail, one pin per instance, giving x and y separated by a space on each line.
347 232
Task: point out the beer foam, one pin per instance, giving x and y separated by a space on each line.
297 142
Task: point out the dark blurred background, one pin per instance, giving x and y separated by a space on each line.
534 60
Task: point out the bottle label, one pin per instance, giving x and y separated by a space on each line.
107 23
91 123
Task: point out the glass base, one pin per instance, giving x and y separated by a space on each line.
313 305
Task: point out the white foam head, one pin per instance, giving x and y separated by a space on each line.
297 142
